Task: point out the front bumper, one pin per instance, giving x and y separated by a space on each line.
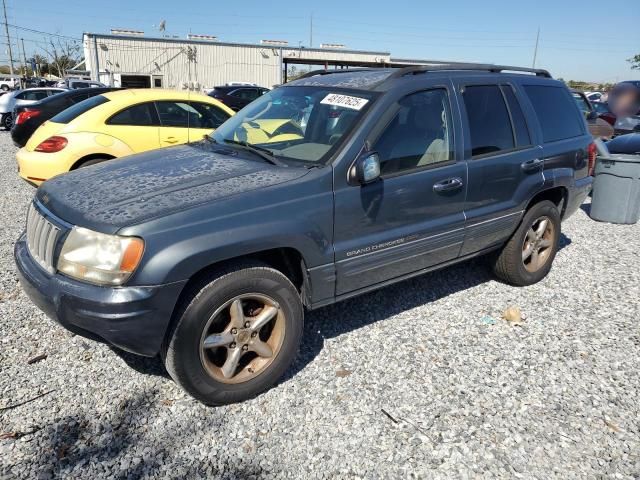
131 318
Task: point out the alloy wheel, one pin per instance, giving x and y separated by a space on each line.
242 338
538 244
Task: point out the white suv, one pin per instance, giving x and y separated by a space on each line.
7 82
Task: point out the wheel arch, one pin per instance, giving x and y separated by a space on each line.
557 195
91 156
287 260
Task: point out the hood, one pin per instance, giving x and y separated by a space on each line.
132 190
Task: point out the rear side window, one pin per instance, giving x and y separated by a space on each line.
78 109
556 112
32 95
520 129
141 115
489 121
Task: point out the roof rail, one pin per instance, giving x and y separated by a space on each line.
435 66
417 69
313 73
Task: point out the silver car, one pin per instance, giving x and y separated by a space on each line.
9 101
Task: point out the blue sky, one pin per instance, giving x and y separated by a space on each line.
584 40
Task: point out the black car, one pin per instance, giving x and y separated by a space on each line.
237 96
209 253
29 117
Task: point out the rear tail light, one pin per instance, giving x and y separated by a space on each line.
592 153
26 115
52 145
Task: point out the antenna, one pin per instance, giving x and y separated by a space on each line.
535 51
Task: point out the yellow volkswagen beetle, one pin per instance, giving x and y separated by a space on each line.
116 124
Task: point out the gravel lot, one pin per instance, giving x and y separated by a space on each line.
556 396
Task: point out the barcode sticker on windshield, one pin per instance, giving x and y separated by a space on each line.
346 101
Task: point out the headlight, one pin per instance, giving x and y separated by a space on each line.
99 258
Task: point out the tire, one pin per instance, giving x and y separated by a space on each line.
204 313
93 161
7 121
5 88
515 263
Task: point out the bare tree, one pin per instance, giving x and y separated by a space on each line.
64 54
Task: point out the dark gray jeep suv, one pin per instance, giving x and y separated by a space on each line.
209 253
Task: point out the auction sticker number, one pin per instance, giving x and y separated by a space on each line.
346 101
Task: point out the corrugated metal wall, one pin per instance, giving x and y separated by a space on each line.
184 63
196 64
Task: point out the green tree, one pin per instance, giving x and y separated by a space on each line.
635 62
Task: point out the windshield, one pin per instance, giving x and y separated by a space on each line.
303 124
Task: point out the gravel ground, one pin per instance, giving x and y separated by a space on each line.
464 397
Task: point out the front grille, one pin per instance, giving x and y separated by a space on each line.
41 238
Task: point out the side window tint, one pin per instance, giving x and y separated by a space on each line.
556 112
517 117
177 114
419 135
489 124
208 116
142 115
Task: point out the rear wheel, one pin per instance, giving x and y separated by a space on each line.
7 121
528 255
5 88
235 334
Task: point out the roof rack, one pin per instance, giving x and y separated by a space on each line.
435 66
417 69
313 73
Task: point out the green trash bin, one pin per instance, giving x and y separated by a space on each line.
616 189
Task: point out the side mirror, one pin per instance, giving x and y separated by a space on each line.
367 168
592 115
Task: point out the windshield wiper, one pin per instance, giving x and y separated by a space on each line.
262 152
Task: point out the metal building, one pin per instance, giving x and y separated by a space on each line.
129 59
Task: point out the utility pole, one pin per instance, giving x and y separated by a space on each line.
535 51
24 56
6 30
310 31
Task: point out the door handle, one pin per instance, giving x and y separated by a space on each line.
171 140
448 185
531 166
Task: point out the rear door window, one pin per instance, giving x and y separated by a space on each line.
556 112
489 122
518 120
78 109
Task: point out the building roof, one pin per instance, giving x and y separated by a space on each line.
228 44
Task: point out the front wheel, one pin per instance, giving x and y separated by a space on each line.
235 334
527 257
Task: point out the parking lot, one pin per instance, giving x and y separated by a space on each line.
420 379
